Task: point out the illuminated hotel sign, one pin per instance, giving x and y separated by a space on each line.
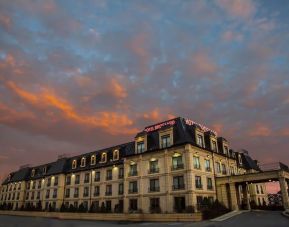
204 128
159 126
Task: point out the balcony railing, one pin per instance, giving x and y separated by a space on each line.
96 194
120 192
208 169
120 176
108 193
132 173
154 189
178 186
178 166
153 170
210 187
96 179
109 177
75 195
199 186
132 190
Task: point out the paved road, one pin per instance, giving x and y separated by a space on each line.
249 219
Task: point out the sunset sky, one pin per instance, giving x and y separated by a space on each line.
76 76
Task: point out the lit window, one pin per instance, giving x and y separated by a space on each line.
140 147
103 157
115 155
165 141
33 173
83 161
200 141
92 160
74 164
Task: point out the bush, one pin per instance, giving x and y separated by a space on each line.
214 210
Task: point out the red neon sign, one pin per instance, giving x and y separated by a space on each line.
204 128
159 126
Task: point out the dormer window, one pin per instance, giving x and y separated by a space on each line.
32 172
92 160
115 155
83 162
74 164
44 170
240 159
140 147
165 141
200 140
214 146
9 177
103 157
226 150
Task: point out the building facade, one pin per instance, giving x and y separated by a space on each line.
169 167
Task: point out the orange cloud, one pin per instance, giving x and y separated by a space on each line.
260 130
5 21
117 89
153 115
112 122
238 8
202 64
218 127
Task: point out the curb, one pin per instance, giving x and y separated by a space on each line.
229 215
286 213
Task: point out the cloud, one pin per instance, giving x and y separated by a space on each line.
260 129
117 89
238 8
202 64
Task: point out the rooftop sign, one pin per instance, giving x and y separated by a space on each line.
159 126
204 128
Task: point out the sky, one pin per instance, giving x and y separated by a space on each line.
77 76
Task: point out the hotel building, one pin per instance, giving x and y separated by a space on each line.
169 167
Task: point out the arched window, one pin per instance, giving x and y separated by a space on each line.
115 155
83 162
92 160
74 164
103 157
32 172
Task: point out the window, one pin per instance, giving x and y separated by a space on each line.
109 174
218 167
214 146
34 185
47 194
115 155
75 204
200 140
132 187
55 181
140 147
240 159
165 141
133 204
77 179
199 202
83 162
198 182
103 157
177 162
257 189
262 191
38 195
178 183
224 169
179 204
19 185
44 170
97 176
92 160
49 182
96 191
154 185
74 164
86 178
197 164
120 189
108 205
153 168
208 165
155 205
133 169
120 172
226 150
76 192
209 183
32 172
108 190
55 193
86 192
